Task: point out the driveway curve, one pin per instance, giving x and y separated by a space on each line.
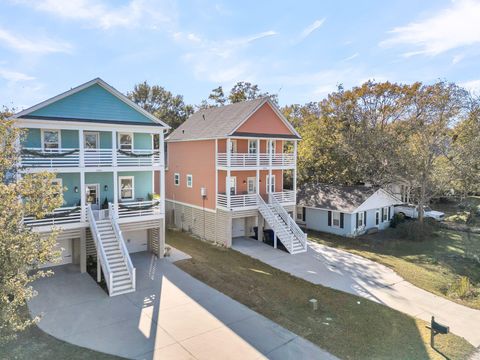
357 275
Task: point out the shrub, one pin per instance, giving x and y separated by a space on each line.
462 288
397 219
415 230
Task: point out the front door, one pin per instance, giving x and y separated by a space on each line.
232 187
93 195
270 184
251 185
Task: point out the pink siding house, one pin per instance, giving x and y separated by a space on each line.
225 174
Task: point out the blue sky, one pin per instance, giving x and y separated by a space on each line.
299 49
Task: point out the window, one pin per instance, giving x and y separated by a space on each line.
251 185
252 146
361 218
50 139
385 213
270 185
233 146
91 140
189 180
126 187
125 141
336 219
176 179
377 217
233 185
57 181
300 213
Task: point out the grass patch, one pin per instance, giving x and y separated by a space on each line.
436 264
33 343
347 326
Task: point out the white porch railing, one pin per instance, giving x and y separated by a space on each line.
243 160
50 158
98 157
138 208
139 157
60 216
285 196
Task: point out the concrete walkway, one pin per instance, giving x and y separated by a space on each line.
170 316
354 274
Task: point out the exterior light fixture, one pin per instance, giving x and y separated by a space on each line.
105 188
75 189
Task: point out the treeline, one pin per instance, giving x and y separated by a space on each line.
427 136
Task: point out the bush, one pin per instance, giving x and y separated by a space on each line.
415 230
397 219
462 288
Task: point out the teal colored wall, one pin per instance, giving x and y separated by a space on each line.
142 182
93 103
102 179
105 140
32 138
142 141
70 180
68 138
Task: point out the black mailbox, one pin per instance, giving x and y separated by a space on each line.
439 328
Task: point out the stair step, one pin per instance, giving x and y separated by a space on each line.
116 279
117 283
117 289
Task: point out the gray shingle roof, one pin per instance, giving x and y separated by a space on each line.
341 198
216 122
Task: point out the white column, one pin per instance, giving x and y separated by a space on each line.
270 154
258 152
115 193
216 171
295 171
83 250
83 200
162 189
227 185
161 145
81 147
114 148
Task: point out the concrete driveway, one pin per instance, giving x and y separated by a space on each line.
354 274
170 316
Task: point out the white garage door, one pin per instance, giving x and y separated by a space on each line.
238 227
136 240
65 246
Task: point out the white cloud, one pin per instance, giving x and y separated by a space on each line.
454 27
472 85
220 61
14 76
351 57
39 45
311 28
457 58
98 14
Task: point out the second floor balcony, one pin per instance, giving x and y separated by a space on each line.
250 201
260 160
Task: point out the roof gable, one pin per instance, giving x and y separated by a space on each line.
93 101
377 200
264 121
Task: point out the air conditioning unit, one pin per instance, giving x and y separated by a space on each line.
203 192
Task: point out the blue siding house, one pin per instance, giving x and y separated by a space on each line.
344 210
107 153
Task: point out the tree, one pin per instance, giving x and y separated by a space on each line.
161 103
241 91
21 249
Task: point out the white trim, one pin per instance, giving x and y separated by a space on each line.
81 87
97 135
119 135
339 219
191 180
190 205
42 137
176 179
120 178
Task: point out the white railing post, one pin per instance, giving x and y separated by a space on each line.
81 146
114 148
83 200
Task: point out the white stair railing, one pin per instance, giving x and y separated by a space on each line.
278 228
123 247
102 257
292 225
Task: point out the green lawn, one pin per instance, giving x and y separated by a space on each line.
33 343
434 265
347 326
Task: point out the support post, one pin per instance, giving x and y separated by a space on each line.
161 239
162 190
114 148
258 152
83 250
270 155
229 152
274 239
295 174
81 146
115 194
99 269
83 200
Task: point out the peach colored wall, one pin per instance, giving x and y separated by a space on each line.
265 121
243 175
196 158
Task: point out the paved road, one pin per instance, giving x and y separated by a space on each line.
354 274
170 316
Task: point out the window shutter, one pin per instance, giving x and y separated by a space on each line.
365 218
389 217
357 219
304 211
381 219
341 220
329 218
